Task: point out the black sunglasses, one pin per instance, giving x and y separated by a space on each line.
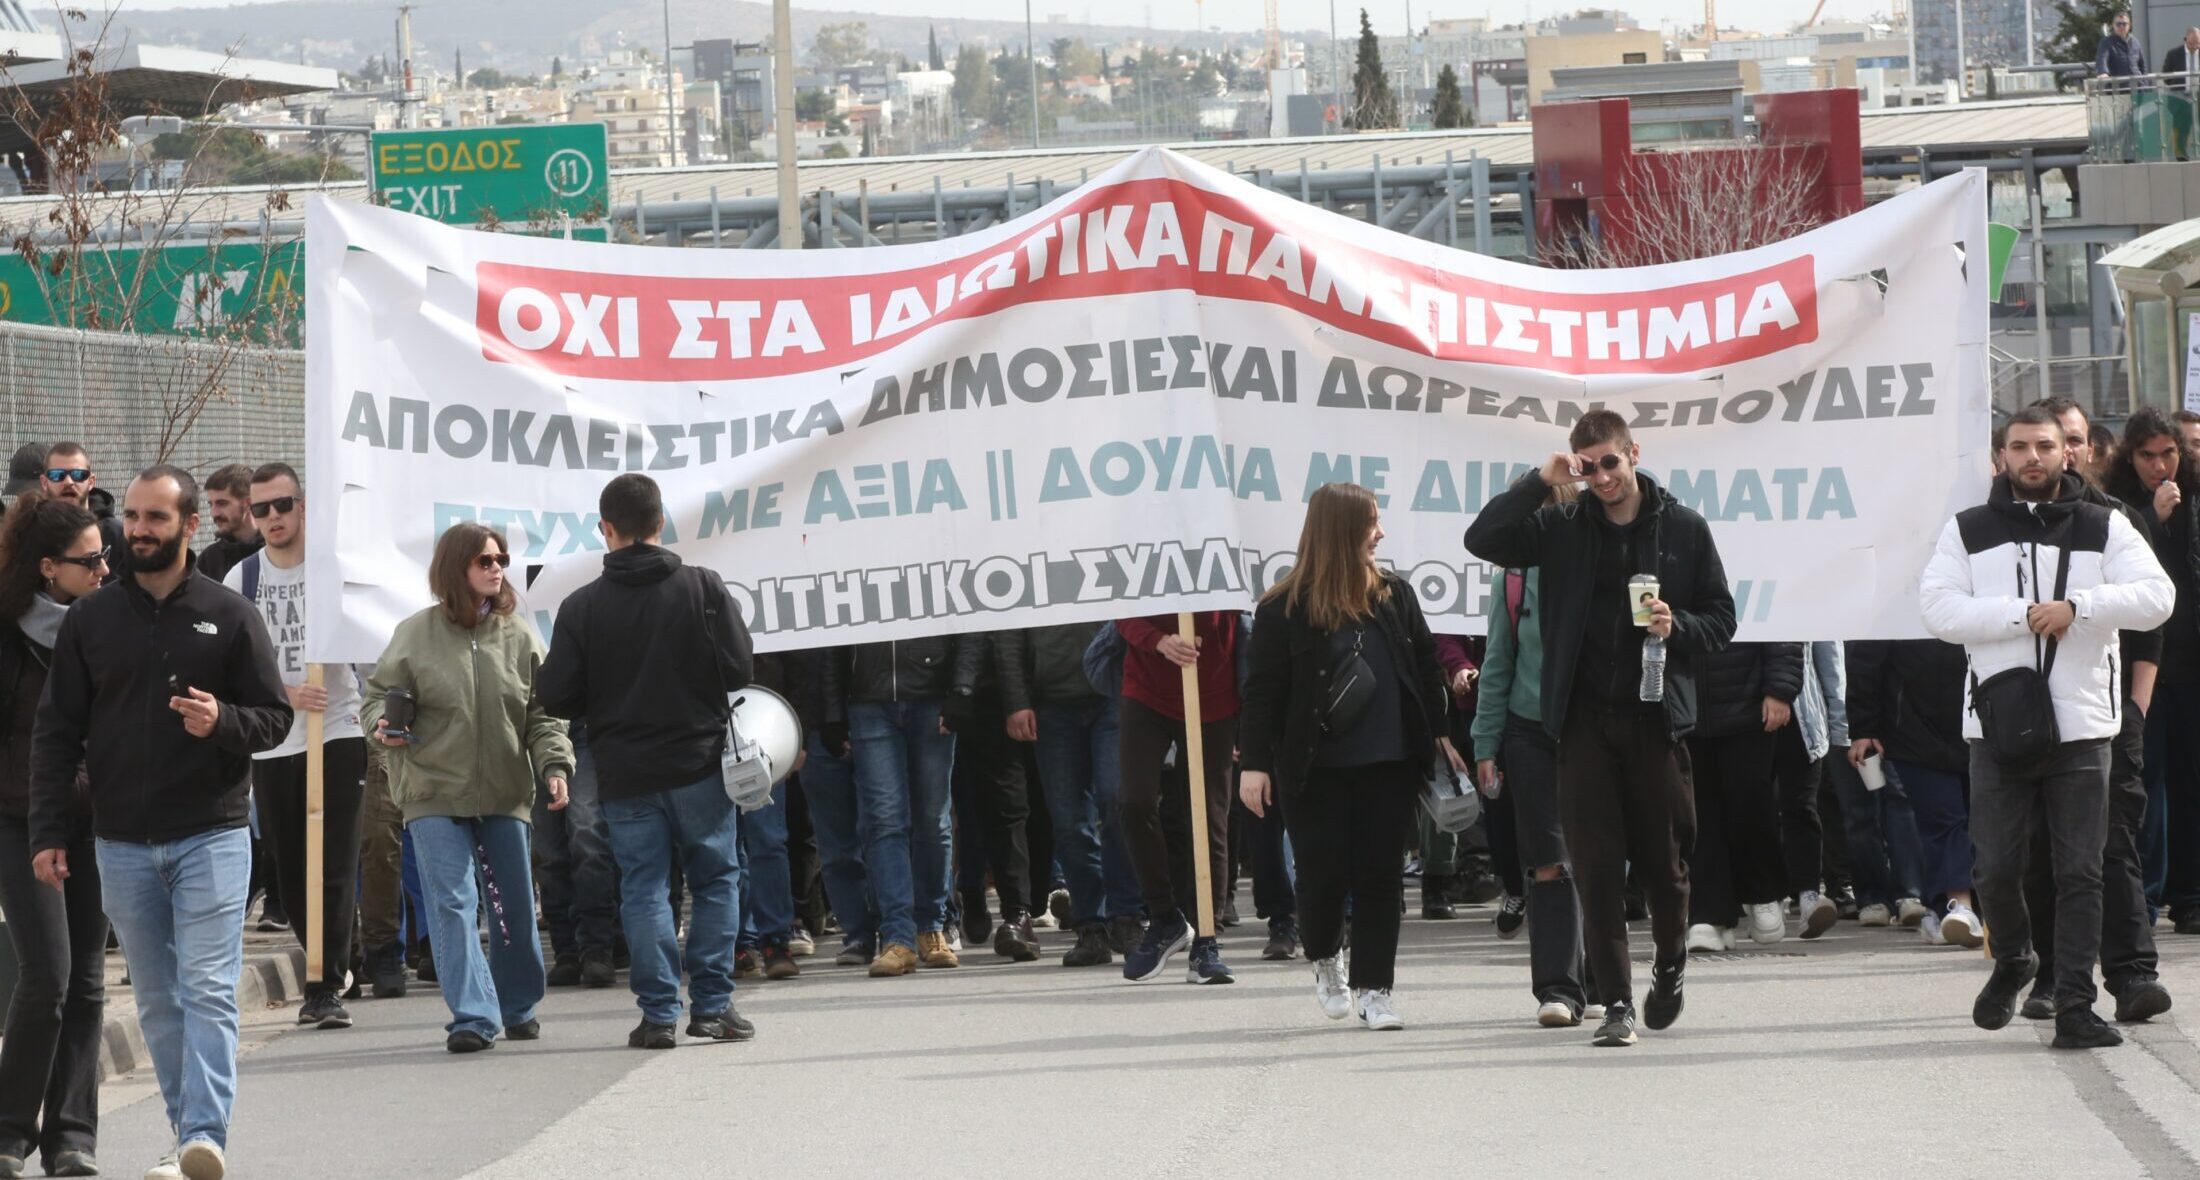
90 561
1607 463
492 561
71 474
280 505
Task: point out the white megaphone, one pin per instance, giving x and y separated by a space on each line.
1450 800
763 735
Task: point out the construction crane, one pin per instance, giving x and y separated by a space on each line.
1815 13
1275 39
1710 20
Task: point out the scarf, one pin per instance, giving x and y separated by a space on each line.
41 624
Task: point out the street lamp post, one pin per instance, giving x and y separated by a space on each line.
672 103
1031 58
790 202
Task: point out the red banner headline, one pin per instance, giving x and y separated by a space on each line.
1128 238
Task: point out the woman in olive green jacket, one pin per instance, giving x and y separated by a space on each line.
464 772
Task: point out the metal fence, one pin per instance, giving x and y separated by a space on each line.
129 399
2143 119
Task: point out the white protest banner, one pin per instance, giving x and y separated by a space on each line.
1117 404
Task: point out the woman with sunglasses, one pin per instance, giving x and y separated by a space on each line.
1347 764
463 768
50 555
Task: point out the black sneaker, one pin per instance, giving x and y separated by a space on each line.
355 979
977 921
1663 1005
2040 1005
652 1036
1844 904
1091 949
1015 939
2187 922
1206 964
1512 914
565 972
525 1030
1283 941
323 1009
1618 1029
598 969
386 968
1997 1001
1435 907
1124 932
2141 1002
424 962
748 964
1229 916
2079 1027
779 962
1162 940
728 1025
466 1040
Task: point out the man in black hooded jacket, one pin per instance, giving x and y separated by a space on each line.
647 653
1625 795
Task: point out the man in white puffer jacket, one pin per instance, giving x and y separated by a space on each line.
1992 586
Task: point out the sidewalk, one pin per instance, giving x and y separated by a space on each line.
273 967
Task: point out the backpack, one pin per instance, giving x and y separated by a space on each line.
1104 661
250 572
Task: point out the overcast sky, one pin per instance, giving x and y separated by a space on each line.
1387 15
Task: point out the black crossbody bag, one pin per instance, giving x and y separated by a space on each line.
2016 711
1351 687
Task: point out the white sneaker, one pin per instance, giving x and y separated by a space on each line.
1703 936
1909 911
1961 926
1874 914
1557 1014
1768 923
166 1169
1727 941
1377 1012
1818 912
201 1160
1329 989
1928 928
1592 1012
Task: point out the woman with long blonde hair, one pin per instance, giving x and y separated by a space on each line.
1343 720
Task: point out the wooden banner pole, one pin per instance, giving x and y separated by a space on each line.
1195 773
315 917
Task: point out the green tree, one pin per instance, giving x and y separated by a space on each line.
488 78
2082 24
557 69
974 84
1450 111
932 57
841 44
811 106
1373 105
837 151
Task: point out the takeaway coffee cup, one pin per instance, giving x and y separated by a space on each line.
1642 589
400 708
1873 774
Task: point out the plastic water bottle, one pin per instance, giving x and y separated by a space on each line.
1653 669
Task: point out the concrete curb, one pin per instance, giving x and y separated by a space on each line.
270 978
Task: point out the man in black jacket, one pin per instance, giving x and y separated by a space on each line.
1625 795
69 476
236 536
163 686
1737 873
896 706
647 653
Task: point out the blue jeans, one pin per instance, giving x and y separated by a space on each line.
1942 803
1079 759
904 780
580 885
1886 855
179 910
698 824
486 995
829 787
767 892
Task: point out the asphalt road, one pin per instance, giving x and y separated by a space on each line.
1850 1056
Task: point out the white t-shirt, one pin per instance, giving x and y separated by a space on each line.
282 603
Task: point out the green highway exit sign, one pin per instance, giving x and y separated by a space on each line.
513 173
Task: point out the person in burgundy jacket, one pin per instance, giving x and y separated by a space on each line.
1151 725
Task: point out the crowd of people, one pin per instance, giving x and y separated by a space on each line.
2032 771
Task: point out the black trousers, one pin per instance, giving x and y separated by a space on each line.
279 787
1737 860
1801 833
989 773
1165 875
1347 825
49 1057
2127 932
1625 798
